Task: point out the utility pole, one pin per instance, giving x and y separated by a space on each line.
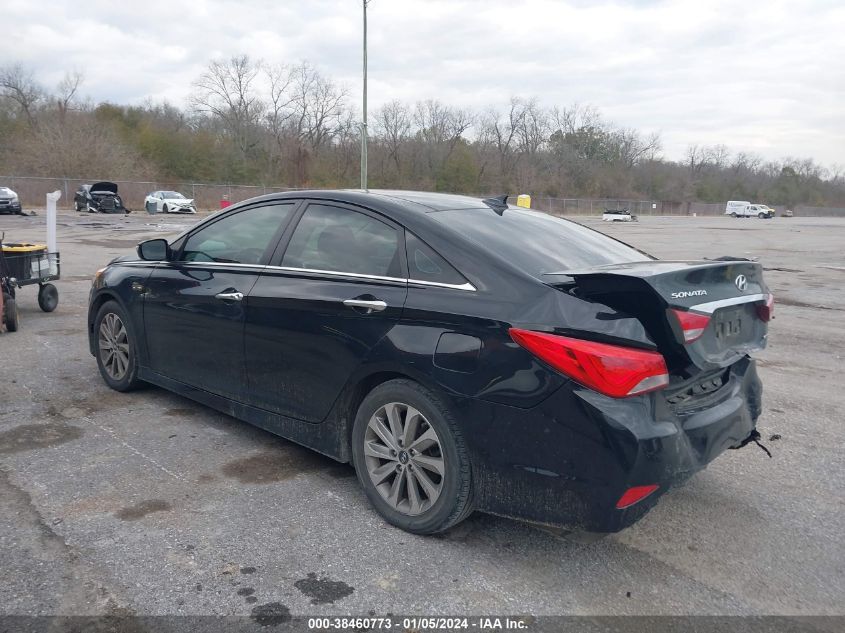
364 124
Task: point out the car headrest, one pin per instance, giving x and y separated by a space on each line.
334 240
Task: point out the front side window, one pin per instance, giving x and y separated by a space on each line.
340 240
240 238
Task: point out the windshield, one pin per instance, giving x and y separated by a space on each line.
6 191
171 194
539 243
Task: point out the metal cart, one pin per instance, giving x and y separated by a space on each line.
29 264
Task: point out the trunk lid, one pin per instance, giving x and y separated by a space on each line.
729 292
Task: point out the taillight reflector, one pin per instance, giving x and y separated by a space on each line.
692 324
613 370
766 311
635 494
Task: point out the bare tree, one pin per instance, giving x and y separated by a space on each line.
19 86
227 92
67 92
532 128
393 128
501 133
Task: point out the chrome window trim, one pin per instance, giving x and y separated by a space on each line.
436 284
335 273
711 306
196 264
467 286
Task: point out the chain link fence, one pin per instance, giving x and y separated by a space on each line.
32 191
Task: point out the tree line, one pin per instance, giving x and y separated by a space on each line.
251 122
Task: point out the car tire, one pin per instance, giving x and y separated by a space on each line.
120 368
48 297
165 209
10 313
403 483
762 216
733 215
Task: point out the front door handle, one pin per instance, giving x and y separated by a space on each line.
369 306
229 296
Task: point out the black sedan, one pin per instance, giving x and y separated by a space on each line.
463 354
101 197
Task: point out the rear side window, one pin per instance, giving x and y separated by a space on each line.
538 243
341 240
425 264
240 238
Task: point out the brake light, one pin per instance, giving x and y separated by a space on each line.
692 324
613 370
766 311
635 494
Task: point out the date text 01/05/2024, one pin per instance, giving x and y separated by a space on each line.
491 623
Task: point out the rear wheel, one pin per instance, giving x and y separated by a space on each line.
48 297
411 458
10 313
733 215
116 345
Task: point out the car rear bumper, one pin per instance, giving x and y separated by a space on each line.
567 461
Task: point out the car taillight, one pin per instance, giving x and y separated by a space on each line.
692 324
609 369
766 311
635 494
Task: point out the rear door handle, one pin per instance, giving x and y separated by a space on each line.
229 296
369 306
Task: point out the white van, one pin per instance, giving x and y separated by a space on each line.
743 209
736 208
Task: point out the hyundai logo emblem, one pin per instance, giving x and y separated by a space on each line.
741 283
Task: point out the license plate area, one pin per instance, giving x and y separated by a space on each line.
733 325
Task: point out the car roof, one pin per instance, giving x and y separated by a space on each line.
418 201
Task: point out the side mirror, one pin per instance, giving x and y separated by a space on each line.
157 250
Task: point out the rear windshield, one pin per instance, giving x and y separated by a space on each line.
538 243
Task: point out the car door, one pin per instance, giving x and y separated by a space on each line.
334 291
194 306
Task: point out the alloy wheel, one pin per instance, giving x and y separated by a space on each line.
404 458
114 346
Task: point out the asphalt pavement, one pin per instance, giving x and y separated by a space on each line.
147 503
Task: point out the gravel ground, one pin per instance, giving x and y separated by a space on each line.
147 503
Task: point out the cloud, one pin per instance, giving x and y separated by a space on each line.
763 76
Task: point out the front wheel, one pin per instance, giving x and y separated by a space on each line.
165 209
48 297
762 216
411 458
10 313
116 356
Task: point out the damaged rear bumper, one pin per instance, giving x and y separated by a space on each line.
578 452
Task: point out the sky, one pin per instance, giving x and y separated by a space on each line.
761 76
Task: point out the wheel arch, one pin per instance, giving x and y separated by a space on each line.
346 406
105 295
